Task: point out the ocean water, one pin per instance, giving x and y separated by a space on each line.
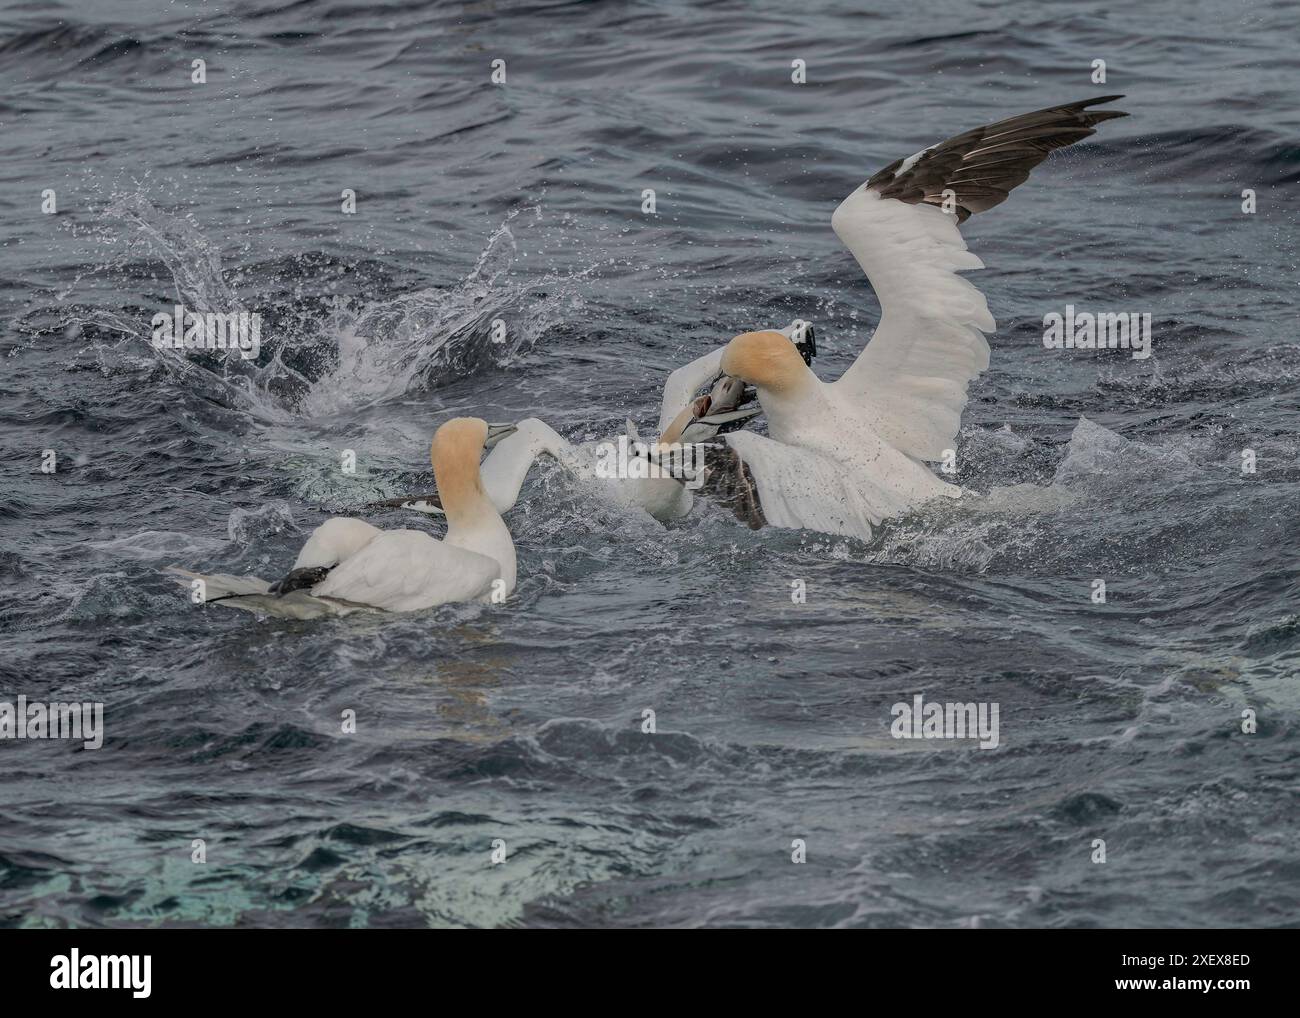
519 728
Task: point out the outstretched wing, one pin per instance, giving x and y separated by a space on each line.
901 226
407 570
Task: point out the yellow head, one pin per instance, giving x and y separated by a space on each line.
766 359
455 452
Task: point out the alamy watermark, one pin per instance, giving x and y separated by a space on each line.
23 720
920 720
1105 330
197 330
75 971
639 460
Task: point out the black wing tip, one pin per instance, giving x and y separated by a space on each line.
1096 116
298 579
1003 153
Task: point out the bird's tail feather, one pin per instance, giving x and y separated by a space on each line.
251 594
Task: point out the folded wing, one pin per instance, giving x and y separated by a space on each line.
901 226
801 488
407 570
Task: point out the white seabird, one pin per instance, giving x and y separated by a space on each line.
347 565
842 456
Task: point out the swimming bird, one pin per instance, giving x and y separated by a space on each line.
348 565
842 456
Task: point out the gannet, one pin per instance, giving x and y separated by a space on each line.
842 456
347 565
687 415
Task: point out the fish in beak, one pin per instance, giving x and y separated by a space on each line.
496 432
727 405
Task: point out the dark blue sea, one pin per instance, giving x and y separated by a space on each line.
518 728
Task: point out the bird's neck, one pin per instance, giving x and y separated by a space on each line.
505 469
790 403
476 526
460 488
673 433
466 507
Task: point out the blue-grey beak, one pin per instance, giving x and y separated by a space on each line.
496 432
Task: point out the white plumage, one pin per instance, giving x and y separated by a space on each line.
348 565
911 378
844 455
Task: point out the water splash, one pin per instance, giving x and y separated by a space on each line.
386 349
193 261
321 357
